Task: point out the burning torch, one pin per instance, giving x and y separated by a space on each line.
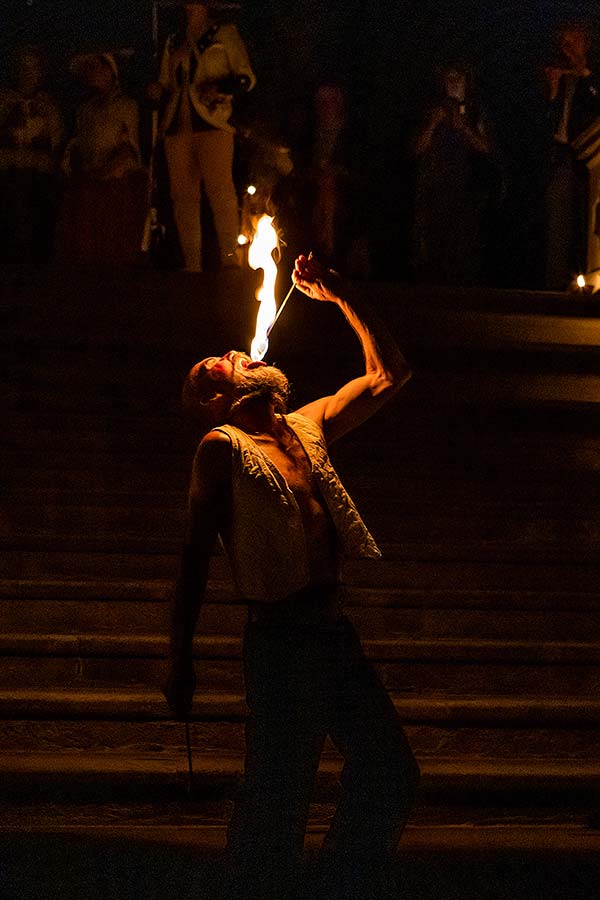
260 256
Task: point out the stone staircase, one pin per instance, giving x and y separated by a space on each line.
480 483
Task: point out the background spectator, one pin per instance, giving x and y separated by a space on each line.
204 65
30 136
573 92
104 205
454 180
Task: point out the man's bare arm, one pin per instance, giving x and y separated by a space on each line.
211 477
386 369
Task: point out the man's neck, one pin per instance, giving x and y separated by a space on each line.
257 416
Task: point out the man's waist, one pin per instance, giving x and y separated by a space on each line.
312 604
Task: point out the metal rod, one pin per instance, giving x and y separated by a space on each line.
280 310
188 745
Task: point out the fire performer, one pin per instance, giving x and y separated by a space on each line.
263 481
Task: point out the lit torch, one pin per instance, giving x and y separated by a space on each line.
260 256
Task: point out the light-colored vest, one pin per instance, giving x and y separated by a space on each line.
265 543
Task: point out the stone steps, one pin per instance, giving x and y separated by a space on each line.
402 520
220 590
155 732
393 573
67 618
482 669
134 702
156 854
88 776
106 541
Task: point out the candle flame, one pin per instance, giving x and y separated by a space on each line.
260 256
580 281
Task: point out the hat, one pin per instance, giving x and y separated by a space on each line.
216 5
79 63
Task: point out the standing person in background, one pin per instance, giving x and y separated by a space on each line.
204 67
573 92
453 150
31 131
104 207
323 206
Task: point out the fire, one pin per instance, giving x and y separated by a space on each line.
580 281
260 256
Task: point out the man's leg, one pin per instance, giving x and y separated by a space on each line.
185 185
215 155
285 733
379 780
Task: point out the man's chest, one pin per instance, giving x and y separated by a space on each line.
292 462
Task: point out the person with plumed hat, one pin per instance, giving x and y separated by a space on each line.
204 67
104 205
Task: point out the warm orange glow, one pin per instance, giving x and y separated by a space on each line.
580 281
260 256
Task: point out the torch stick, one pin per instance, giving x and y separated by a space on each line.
280 310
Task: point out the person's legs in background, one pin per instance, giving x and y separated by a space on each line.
214 154
185 182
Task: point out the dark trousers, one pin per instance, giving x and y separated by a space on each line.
566 219
305 682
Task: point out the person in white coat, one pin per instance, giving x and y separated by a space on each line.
203 68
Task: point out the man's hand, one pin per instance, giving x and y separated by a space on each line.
314 280
155 91
180 687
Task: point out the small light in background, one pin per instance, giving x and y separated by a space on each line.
251 190
580 281
242 239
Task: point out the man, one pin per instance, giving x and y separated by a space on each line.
203 68
263 481
573 92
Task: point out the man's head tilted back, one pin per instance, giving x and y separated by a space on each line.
218 386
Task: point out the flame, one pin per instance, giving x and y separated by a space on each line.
260 256
580 281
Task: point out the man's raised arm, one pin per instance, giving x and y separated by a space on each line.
386 369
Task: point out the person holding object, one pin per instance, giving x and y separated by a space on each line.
455 176
203 68
262 481
573 94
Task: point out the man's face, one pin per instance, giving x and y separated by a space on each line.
225 381
574 45
455 85
221 373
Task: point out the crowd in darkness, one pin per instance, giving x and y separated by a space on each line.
117 172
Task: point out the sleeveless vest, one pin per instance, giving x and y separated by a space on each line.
265 542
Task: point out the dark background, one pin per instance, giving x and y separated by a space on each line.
384 54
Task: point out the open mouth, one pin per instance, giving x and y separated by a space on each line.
252 364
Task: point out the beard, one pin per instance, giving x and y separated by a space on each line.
268 383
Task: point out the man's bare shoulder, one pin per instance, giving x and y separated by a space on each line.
213 458
214 438
314 411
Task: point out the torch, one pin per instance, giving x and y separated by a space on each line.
260 256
